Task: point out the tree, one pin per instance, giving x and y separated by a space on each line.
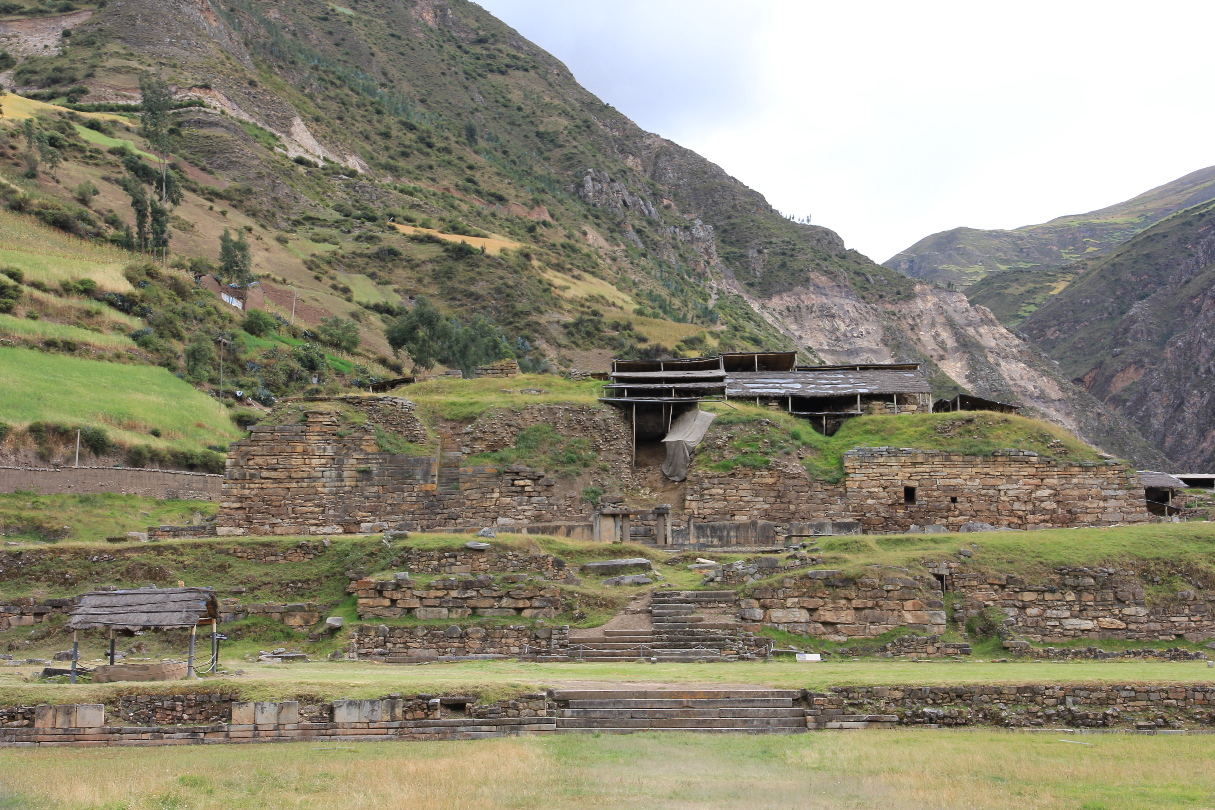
156 99
200 358
139 205
235 265
32 156
159 216
475 345
340 333
422 333
48 154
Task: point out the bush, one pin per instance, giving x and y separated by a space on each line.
5 429
259 323
15 273
987 624
10 294
96 440
139 455
246 418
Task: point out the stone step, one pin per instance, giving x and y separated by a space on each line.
742 723
738 696
628 633
693 596
642 713
720 730
658 704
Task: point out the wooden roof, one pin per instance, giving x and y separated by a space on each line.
145 609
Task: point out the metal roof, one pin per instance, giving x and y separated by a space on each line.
825 383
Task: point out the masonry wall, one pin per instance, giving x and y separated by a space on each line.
826 604
308 478
1088 603
1088 706
162 484
27 611
428 643
454 599
1015 489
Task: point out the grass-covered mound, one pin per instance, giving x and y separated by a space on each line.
749 436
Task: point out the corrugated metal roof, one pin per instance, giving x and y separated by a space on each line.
825 383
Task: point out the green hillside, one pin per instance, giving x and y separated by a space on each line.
135 405
967 256
1135 329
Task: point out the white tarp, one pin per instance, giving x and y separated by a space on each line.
686 432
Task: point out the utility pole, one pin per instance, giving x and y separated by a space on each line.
223 342
77 447
294 295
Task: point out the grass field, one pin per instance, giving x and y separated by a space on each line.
42 330
128 400
468 399
493 245
331 680
51 256
872 769
92 515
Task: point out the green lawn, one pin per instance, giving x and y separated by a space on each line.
128 400
26 516
894 770
100 139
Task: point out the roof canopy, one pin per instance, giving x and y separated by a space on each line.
145 609
1160 480
826 383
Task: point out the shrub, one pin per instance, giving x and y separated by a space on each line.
246 418
5 429
10 294
97 440
139 455
259 323
987 624
15 273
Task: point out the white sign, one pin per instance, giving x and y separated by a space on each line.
809 657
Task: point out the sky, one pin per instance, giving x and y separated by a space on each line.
890 121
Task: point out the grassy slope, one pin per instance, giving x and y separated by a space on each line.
892 770
965 256
758 434
27 517
129 401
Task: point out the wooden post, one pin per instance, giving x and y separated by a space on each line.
634 434
77 447
214 645
895 398
111 646
190 659
75 655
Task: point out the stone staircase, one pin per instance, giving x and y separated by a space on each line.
754 711
678 632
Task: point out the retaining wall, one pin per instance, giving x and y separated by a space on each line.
826 604
454 599
1088 603
162 484
433 643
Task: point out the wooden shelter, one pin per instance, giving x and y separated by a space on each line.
969 402
1159 490
147 609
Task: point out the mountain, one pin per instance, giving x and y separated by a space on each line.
1032 255
358 145
1136 329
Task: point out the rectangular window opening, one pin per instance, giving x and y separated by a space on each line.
908 494
953 498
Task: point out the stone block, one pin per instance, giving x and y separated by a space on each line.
789 616
431 613
243 713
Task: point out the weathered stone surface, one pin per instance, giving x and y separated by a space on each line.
629 579
623 566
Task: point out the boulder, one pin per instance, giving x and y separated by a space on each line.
976 526
334 623
629 579
477 546
487 532
623 566
767 562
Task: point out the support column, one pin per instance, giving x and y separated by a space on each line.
111 634
75 655
190 659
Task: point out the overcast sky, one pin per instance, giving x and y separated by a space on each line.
888 121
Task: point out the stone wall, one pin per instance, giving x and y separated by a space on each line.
300 615
826 604
924 647
1022 649
454 599
26 611
432 643
890 489
167 710
781 494
304 551
1087 603
1087 706
162 484
318 477
393 414
494 560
